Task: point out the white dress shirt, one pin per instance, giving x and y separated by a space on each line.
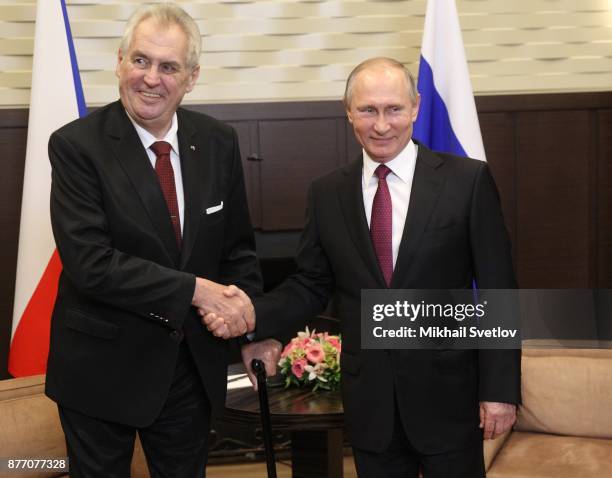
400 186
171 137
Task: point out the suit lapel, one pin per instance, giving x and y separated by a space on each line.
426 187
351 201
197 178
128 150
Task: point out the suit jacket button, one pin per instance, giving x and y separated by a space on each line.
176 335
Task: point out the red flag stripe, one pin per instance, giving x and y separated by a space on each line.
30 344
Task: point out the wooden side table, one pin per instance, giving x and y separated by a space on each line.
315 420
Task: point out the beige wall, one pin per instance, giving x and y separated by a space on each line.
300 50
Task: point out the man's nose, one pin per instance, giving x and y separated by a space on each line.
152 76
381 126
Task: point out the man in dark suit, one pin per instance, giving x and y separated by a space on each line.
404 217
150 217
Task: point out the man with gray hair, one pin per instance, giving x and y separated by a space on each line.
150 219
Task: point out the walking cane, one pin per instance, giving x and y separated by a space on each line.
264 407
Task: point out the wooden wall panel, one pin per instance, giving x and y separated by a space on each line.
553 199
13 133
551 156
295 152
498 133
604 191
247 140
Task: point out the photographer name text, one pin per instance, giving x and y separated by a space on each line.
434 332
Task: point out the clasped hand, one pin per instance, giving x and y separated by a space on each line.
226 311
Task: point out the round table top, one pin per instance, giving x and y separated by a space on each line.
290 408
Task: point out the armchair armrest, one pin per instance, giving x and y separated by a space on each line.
492 447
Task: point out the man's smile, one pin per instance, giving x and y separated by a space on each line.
150 94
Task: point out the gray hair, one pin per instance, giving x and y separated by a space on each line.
378 62
166 14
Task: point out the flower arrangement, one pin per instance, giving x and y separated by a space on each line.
312 358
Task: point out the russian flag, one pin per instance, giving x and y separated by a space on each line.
447 118
56 99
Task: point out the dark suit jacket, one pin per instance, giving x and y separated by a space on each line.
123 304
454 232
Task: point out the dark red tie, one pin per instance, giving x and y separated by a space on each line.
381 224
165 174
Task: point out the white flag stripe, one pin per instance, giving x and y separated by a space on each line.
52 104
443 49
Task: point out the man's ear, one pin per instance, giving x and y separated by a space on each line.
415 109
193 78
349 115
119 60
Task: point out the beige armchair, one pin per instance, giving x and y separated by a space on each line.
564 427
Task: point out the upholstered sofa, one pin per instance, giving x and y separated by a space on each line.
564 427
30 428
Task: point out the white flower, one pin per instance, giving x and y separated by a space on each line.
305 334
316 372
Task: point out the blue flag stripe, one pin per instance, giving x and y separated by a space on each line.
78 88
433 127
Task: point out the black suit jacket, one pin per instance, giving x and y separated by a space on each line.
123 304
454 232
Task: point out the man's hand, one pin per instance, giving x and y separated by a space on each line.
226 311
496 418
268 351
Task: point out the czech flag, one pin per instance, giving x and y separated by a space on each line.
56 99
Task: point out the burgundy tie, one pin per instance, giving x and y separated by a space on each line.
381 224
165 174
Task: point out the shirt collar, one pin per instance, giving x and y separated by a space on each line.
402 165
147 139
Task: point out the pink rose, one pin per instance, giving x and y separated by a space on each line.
298 367
334 342
288 349
315 353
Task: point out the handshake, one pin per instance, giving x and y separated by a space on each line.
226 311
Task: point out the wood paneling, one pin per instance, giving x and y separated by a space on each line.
294 152
272 111
544 102
550 155
12 153
604 203
498 133
247 139
553 199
